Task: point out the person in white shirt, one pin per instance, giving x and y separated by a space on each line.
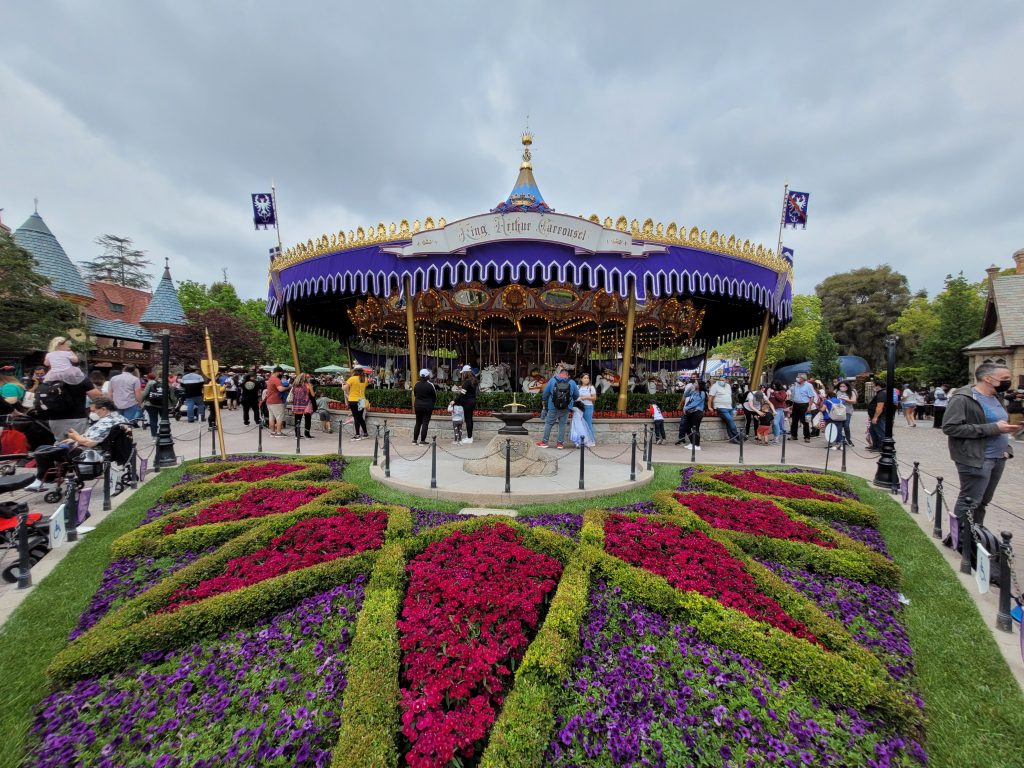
939 406
721 400
909 397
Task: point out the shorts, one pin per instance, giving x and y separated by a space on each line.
276 411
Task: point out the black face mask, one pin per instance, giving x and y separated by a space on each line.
1003 386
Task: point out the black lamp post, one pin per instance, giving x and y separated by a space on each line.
164 442
887 475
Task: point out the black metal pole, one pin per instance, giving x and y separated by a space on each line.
24 557
937 527
259 436
582 451
433 462
341 446
644 457
843 468
782 459
650 454
1004 621
632 460
298 433
966 537
693 445
387 453
164 456
71 510
508 465
828 450
741 441
915 481
886 475
133 464
376 444
106 485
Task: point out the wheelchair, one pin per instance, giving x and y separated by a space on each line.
118 448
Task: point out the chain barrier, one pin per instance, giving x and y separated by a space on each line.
396 452
621 453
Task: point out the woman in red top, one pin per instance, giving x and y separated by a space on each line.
777 396
301 401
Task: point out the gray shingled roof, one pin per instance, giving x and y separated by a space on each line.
164 307
1009 299
118 329
51 260
993 341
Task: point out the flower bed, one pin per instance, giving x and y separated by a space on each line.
691 561
472 600
256 472
307 543
755 483
258 502
269 695
756 516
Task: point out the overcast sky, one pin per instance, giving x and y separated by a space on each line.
156 120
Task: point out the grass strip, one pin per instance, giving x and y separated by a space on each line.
40 626
973 705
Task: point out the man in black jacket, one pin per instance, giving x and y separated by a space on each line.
979 436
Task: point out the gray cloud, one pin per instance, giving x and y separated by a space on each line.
156 121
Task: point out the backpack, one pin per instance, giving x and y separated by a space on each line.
119 443
562 395
837 412
156 395
53 400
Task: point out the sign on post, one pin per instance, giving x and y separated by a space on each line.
929 510
209 370
983 571
57 530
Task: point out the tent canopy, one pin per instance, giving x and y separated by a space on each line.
331 369
850 366
282 366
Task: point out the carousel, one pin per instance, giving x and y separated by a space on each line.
522 289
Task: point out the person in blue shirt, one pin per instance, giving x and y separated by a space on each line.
803 395
559 394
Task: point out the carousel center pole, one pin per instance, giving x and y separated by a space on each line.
291 339
410 327
762 348
627 349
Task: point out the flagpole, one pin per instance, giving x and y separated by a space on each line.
287 310
762 342
782 218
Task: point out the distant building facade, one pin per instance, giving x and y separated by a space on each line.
1002 330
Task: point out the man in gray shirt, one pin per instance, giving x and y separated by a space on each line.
979 436
802 394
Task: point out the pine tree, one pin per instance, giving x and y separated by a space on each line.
119 263
960 309
825 356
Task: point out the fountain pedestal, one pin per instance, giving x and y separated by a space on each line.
526 458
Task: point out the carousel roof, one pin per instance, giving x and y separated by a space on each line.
523 240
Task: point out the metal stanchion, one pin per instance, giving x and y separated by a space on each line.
376 444
937 529
24 558
213 442
915 480
740 440
1004 621
828 452
508 465
71 511
632 460
259 436
650 454
106 485
782 459
298 434
433 462
583 450
644 457
693 446
895 489
134 481
966 537
341 442
844 456
387 453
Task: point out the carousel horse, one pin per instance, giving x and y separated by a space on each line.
495 378
606 381
534 385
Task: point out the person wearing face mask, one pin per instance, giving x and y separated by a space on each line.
848 395
979 432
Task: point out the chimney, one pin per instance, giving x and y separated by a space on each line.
1018 259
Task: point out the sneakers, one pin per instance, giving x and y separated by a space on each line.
559 446
38 485
696 447
542 444
467 441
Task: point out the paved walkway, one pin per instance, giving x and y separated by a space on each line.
922 444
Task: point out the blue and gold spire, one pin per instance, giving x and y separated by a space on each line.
525 195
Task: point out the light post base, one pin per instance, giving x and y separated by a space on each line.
164 456
887 473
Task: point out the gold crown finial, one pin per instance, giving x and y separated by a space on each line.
527 138
527 157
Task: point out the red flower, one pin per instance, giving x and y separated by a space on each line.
471 600
693 562
257 502
757 516
255 473
308 542
754 483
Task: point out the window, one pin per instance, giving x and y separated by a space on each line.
116 307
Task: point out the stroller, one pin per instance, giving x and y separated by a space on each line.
20 435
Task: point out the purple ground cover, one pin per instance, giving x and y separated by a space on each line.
270 695
640 507
864 534
125 578
647 692
422 519
162 508
567 524
870 613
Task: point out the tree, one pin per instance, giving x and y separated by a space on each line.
825 357
119 263
960 309
915 324
199 297
859 306
793 344
32 314
232 339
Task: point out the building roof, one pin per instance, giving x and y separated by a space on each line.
117 302
1009 302
51 260
118 329
993 341
525 195
164 307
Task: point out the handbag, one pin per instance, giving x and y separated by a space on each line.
362 404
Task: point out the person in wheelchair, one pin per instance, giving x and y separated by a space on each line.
105 418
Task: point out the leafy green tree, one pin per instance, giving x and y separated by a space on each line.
915 324
32 314
198 297
793 344
119 263
860 305
825 356
231 338
960 309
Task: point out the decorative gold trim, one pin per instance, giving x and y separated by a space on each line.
670 234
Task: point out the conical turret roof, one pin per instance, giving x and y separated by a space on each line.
525 195
164 308
51 260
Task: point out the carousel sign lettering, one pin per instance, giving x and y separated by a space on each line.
582 235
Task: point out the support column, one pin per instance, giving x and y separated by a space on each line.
410 329
291 338
762 348
627 349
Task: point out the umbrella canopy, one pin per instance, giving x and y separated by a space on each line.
282 366
331 369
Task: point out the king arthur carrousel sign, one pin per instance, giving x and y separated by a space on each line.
580 234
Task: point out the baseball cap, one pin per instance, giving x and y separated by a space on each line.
424 372
466 369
